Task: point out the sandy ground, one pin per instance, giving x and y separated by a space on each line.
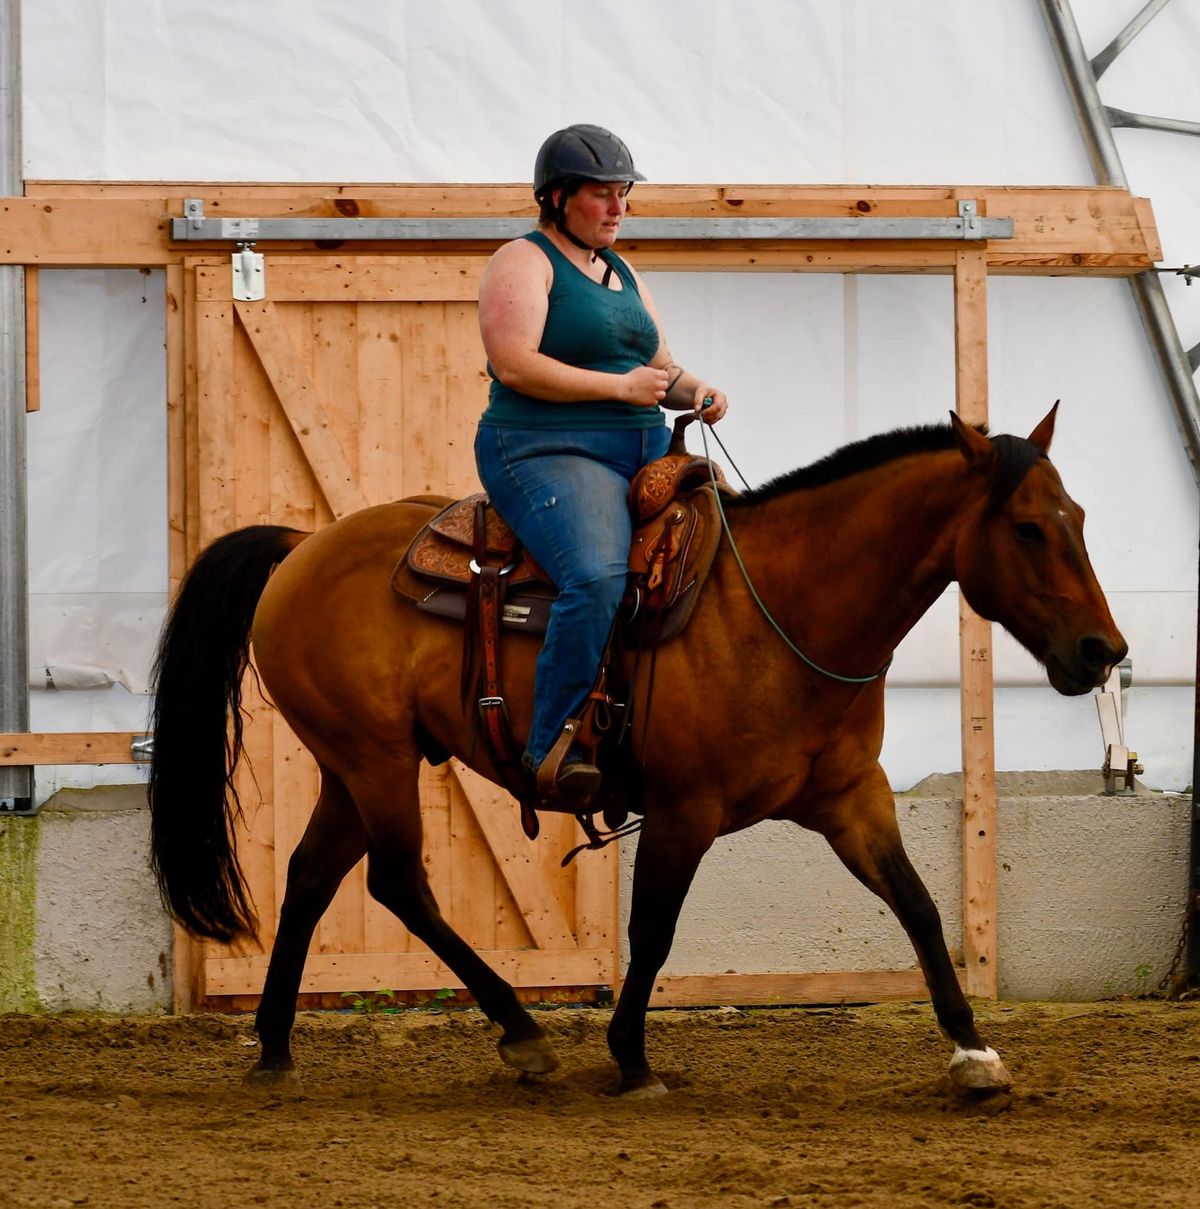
783 1107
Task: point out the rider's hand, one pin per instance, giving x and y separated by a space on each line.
716 409
644 386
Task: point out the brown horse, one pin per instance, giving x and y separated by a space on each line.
846 555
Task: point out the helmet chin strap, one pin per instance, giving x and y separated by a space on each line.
561 224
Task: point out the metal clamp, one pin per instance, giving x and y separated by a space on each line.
968 211
1121 765
249 274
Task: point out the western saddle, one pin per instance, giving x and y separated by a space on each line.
467 565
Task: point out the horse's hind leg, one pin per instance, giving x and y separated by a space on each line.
861 828
333 843
396 877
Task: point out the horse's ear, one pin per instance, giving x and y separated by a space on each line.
976 448
1043 434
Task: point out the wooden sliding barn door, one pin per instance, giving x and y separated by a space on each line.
359 380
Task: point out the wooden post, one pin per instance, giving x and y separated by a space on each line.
33 361
975 658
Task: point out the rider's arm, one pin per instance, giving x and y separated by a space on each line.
512 316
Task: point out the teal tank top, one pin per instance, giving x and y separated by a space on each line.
592 327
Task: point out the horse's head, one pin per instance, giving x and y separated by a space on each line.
1021 560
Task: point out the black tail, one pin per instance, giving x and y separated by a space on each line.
197 680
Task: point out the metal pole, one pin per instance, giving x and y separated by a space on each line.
1106 164
16 783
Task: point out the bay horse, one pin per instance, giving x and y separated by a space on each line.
846 555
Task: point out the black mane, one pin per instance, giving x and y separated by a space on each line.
1015 457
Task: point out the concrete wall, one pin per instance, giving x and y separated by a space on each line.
1091 891
1091 894
80 923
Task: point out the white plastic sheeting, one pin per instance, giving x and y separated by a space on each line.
917 91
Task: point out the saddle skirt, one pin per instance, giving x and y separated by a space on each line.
677 530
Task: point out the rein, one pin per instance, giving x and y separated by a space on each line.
816 667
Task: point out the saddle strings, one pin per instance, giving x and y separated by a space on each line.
816 667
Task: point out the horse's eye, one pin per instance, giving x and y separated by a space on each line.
1027 531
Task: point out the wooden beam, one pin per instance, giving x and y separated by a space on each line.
303 407
1068 231
418 970
975 660
33 367
765 990
398 278
99 747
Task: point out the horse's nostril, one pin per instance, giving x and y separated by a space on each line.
1096 653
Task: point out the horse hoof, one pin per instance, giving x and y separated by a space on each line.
272 1076
978 1070
650 1090
534 1057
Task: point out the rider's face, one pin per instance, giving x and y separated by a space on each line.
595 210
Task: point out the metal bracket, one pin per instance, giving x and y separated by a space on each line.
249 274
1120 764
193 213
141 748
968 211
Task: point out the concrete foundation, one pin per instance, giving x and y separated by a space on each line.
1091 895
1091 891
89 932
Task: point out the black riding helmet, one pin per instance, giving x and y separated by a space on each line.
573 155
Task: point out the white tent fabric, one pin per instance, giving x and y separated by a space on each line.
755 91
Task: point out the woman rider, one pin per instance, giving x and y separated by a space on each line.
579 369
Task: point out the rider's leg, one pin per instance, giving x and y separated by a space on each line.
564 493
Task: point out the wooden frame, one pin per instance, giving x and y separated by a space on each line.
1057 231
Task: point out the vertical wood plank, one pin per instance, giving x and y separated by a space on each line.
975 658
256 789
33 360
177 452
191 436
473 889
379 374
423 396
215 416
597 903
437 849
466 395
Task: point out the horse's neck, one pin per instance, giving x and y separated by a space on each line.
864 558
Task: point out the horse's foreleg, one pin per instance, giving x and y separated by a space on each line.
396 877
333 843
862 830
666 862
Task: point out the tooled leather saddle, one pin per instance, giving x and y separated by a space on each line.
677 530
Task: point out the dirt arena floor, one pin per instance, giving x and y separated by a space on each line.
781 1107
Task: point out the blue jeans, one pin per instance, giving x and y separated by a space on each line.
564 494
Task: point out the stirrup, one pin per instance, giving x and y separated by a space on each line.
562 785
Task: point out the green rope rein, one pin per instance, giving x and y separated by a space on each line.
816 667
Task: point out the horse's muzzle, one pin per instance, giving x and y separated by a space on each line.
1087 665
